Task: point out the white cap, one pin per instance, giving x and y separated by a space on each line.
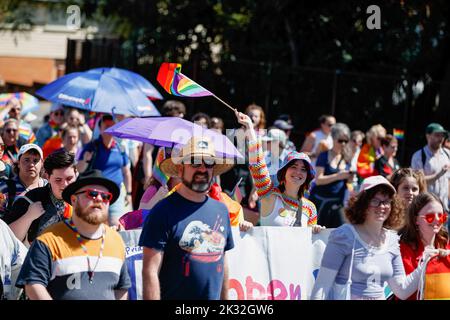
275 134
56 107
374 181
27 147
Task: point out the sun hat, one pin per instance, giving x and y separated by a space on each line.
374 181
196 147
292 156
91 177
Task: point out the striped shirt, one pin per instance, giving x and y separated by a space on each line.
264 187
57 261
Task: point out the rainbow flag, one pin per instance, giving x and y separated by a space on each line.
26 132
236 194
365 167
157 173
176 83
399 133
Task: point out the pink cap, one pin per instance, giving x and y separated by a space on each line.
374 181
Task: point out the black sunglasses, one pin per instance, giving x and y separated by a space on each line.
198 162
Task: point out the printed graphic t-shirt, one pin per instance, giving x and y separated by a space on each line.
193 237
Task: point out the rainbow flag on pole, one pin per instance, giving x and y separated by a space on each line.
399 133
157 172
236 194
176 83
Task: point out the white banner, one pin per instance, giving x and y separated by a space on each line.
266 263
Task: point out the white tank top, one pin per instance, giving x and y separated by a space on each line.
282 217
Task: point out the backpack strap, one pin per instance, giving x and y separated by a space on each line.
94 156
424 157
11 193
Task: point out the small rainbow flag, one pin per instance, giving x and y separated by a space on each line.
157 172
399 133
176 83
236 194
27 133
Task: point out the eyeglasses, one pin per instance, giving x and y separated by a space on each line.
197 163
93 194
431 217
377 202
342 141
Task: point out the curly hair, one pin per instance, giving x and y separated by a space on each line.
399 175
410 233
356 212
304 188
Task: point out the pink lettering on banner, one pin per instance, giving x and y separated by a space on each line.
251 287
273 286
253 290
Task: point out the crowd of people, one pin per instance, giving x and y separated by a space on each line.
69 186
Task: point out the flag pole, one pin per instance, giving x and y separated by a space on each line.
233 109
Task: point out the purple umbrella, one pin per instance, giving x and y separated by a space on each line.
169 132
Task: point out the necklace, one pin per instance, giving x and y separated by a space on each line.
91 271
59 204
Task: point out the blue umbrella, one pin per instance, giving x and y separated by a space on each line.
98 92
131 77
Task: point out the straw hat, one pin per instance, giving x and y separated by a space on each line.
196 147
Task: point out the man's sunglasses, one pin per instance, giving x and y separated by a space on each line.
431 217
93 194
197 163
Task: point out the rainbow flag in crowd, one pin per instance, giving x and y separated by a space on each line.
176 83
157 172
236 194
399 133
26 132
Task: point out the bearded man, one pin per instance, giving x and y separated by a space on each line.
186 235
79 258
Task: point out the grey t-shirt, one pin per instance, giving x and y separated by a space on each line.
372 266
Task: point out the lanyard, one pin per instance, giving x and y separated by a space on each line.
91 271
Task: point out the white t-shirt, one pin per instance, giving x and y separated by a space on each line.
434 164
12 256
